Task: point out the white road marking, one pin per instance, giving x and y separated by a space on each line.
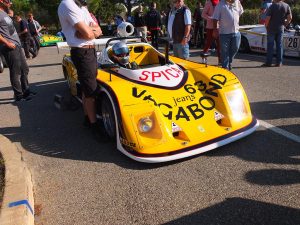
56 82
280 131
260 55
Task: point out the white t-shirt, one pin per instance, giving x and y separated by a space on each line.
228 16
70 14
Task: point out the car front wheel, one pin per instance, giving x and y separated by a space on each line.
1 65
244 47
108 117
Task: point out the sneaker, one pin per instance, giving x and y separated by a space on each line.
266 65
278 65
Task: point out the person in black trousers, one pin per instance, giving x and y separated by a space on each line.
11 49
153 21
26 39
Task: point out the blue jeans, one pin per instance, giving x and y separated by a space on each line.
278 38
181 51
230 44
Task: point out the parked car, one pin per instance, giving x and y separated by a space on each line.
50 40
254 38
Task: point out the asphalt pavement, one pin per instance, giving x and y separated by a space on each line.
78 180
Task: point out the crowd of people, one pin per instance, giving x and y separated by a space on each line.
213 25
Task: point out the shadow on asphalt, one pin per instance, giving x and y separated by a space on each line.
50 132
47 131
251 57
45 65
278 177
241 211
276 109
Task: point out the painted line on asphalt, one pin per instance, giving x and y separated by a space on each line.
263 56
55 82
21 202
280 131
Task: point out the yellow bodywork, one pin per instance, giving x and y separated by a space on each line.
206 108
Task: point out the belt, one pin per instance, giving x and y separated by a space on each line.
84 46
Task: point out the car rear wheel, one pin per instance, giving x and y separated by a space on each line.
244 47
1 65
108 117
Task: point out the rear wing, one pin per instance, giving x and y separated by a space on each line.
99 43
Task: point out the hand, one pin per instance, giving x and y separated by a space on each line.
184 41
286 23
78 35
11 45
96 30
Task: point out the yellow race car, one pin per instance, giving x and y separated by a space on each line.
167 108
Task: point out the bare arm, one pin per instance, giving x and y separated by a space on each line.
205 12
288 19
96 30
7 43
187 30
83 31
24 31
267 21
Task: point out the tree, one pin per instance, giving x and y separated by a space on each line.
21 7
50 7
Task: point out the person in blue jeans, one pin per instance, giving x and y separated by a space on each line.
179 28
278 15
227 13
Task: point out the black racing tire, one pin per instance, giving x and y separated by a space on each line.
65 73
108 117
1 65
244 47
4 61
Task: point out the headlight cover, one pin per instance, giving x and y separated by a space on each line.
237 105
145 124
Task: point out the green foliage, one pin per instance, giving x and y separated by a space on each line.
45 11
50 9
251 4
20 7
250 17
105 10
296 15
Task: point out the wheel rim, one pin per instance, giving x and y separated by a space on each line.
1 66
108 118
